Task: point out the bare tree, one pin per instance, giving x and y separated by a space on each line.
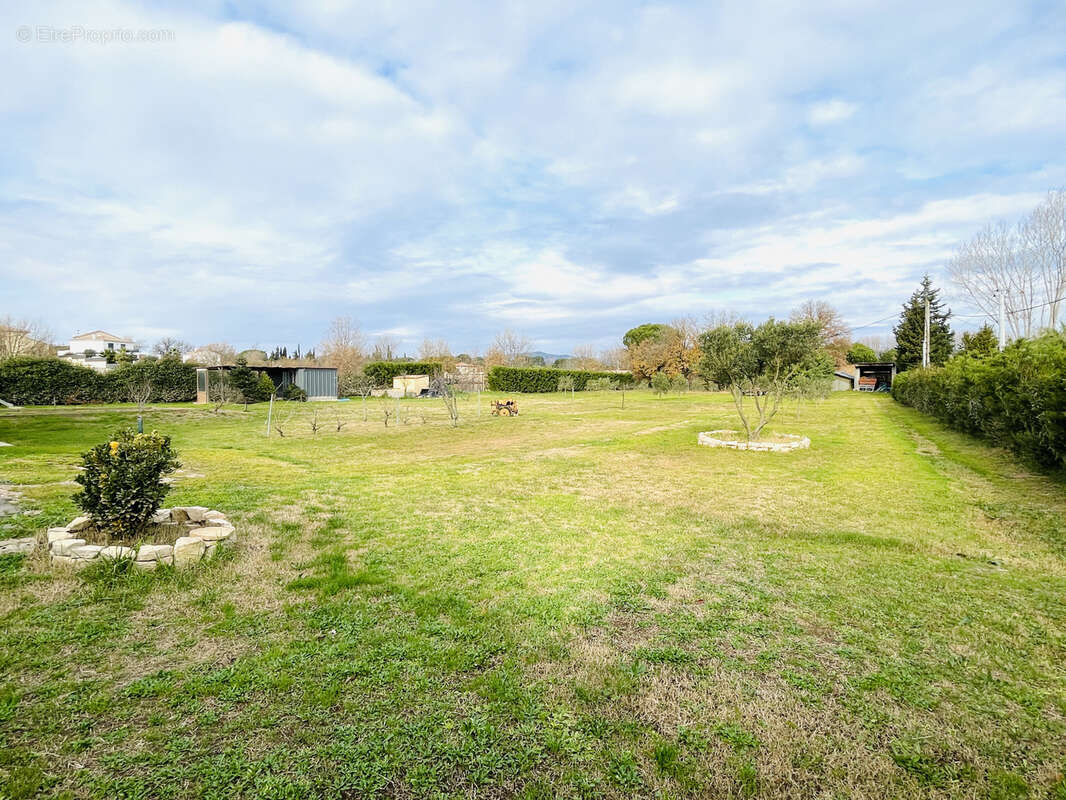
280 425
361 385
314 423
835 335
170 345
445 387
213 355
494 357
140 389
717 317
23 337
386 348
614 358
586 357
991 266
220 390
386 411
344 347
1043 236
434 350
513 346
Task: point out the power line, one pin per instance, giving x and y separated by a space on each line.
875 322
966 316
1011 310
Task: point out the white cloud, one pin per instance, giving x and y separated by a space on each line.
534 164
830 111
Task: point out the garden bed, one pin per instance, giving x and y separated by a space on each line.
180 536
735 440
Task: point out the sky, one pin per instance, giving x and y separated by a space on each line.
246 171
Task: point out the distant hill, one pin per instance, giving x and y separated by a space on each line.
549 358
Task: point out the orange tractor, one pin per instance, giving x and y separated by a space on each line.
504 408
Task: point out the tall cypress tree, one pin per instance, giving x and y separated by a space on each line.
911 328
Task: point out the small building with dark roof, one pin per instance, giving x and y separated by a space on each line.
320 383
875 376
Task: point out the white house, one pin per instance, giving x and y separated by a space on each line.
89 349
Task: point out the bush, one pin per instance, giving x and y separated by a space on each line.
543 379
43 381
660 383
290 391
382 372
860 353
599 385
264 388
122 482
172 381
1016 398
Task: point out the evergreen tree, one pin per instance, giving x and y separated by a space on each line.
911 328
264 388
981 343
244 379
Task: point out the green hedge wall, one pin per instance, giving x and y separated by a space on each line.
382 372
1016 399
540 379
43 381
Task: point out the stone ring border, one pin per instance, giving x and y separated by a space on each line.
796 442
205 529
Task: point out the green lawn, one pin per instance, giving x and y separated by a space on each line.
575 602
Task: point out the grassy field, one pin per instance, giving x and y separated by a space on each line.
575 602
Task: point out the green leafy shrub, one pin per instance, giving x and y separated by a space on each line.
264 388
382 372
860 353
44 381
660 383
543 379
122 481
171 380
290 391
1016 398
599 385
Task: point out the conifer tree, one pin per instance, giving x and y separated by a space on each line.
981 343
244 379
911 328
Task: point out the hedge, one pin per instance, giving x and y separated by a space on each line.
44 381
382 372
1015 399
540 379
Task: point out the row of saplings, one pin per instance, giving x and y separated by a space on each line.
123 527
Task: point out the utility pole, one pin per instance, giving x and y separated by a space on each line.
1002 320
925 338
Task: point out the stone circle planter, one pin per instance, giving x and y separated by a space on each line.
714 439
199 531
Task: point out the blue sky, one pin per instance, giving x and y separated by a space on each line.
565 170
